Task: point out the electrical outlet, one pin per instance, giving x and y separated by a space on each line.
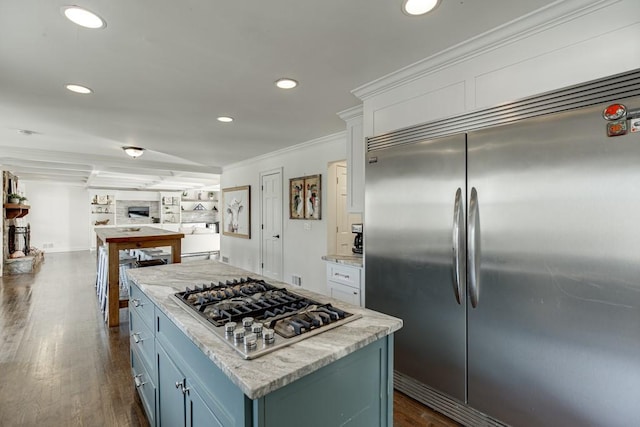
296 280
307 226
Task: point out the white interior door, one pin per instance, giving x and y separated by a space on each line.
344 237
271 229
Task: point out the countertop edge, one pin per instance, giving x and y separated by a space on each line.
352 260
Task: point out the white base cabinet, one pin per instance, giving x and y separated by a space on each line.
344 283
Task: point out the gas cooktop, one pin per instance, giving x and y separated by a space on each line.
256 318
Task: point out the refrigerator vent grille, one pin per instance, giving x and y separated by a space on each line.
609 89
453 409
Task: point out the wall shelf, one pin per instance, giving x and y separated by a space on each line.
15 210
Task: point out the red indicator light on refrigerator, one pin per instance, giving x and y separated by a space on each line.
614 112
617 128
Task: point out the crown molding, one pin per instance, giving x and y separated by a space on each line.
318 141
540 20
351 113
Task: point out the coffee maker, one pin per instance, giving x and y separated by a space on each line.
357 241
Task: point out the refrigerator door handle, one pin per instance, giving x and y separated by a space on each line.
473 254
459 240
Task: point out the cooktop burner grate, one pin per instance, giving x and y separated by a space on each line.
256 317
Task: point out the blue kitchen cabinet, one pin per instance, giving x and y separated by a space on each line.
171 410
179 401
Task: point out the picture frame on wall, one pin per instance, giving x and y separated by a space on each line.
236 211
305 197
296 198
312 202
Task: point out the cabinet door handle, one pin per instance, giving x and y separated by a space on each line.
136 302
182 386
138 381
136 338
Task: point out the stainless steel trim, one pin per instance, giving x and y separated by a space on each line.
452 408
614 88
459 265
473 253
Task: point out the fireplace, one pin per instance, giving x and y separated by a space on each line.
19 239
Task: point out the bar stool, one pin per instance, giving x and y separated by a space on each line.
126 262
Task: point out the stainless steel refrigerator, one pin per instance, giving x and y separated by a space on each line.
508 242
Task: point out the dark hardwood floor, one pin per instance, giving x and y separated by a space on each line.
61 366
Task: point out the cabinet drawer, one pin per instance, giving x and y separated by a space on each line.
344 293
140 304
141 338
345 274
143 382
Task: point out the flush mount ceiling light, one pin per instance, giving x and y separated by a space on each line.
418 7
83 17
83 90
225 119
286 83
133 151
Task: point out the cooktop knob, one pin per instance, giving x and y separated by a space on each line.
250 341
229 327
238 335
268 336
247 322
256 328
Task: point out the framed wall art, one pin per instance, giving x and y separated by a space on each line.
236 211
296 198
304 197
312 202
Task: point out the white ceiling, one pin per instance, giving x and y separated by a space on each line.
163 70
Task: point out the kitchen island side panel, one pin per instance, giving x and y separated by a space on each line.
356 391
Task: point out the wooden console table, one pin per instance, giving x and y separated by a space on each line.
119 238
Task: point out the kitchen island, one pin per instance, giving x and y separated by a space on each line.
120 238
188 376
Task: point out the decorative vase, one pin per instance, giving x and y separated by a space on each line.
15 201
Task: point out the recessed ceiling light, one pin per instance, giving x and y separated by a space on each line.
79 89
286 83
225 119
83 17
418 7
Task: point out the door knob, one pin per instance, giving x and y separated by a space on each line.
277 236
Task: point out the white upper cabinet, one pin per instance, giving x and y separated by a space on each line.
355 159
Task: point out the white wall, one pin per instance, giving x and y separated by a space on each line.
302 248
569 42
59 215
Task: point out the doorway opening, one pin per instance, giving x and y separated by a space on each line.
339 220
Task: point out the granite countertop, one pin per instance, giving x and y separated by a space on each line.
267 373
354 260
